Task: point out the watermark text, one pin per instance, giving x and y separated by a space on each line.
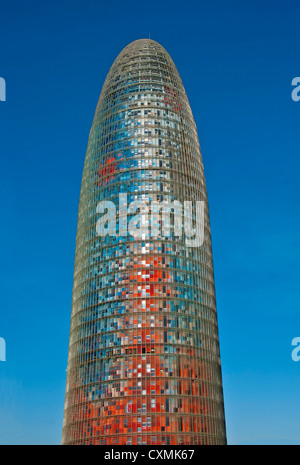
2 90
296 91
154 219
2 350
296 351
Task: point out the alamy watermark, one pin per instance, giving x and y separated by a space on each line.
153 220
2 350
296 91
296 351
2 90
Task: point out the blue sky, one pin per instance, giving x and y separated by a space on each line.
237 61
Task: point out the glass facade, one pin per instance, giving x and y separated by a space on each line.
144 363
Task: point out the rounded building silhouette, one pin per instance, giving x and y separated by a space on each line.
144 363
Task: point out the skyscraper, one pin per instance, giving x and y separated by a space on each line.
144 363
